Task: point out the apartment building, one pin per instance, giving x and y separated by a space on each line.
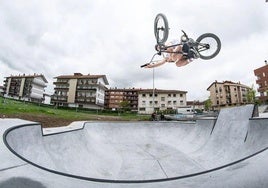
78 90
227 93
114 97
151 100
262 81
25 87
1 90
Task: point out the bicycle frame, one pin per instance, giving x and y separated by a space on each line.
164 48
202 47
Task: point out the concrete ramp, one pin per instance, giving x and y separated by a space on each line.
227 142
144 152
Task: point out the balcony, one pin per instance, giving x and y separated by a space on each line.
61 88
90 86
61 82
85 100
86 87
61 98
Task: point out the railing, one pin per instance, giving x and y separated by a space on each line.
86 87
58 98
61 87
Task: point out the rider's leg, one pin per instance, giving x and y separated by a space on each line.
177 54
183 62
190 52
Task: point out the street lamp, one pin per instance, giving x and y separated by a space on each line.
153 89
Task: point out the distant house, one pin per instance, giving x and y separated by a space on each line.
78 90
227 93
153 100
196 105
25 87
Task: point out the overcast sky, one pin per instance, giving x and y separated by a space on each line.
115 37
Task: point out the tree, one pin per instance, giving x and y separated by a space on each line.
124 105
251 95
208 104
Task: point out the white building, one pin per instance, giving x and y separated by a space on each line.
1 90
150 100
25 87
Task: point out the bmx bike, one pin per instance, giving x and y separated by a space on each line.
206 46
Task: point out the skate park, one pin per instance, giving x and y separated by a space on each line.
227 151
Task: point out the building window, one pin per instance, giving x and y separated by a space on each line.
163 105
174 95
162 98
181 95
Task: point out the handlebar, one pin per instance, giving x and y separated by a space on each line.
185 34
145 65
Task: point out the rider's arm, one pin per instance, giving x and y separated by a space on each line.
157 64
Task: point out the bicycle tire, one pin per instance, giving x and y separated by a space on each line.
161 17
208 50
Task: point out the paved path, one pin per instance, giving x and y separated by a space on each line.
229 152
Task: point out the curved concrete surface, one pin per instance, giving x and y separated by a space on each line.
228 152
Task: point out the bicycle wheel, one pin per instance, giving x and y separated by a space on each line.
208 45
161 28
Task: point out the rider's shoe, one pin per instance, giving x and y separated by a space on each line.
193 54
190 60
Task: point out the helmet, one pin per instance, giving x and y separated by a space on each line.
183 38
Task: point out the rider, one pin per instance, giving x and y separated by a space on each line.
181 55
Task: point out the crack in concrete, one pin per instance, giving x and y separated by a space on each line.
158 162
17 166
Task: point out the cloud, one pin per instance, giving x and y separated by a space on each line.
56 37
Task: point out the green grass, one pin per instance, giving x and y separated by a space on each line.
10 108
